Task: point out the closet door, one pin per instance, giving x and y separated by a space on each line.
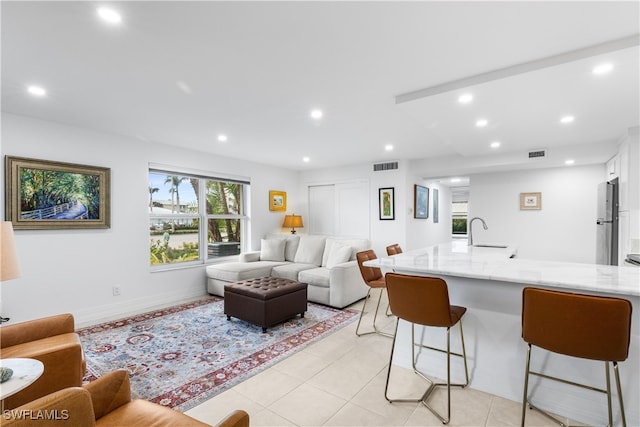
340 209
322 210
352 209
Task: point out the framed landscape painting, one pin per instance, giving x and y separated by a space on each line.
386 203
277 200
420 202
42 194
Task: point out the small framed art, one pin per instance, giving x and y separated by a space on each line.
386 203
530 201
277 200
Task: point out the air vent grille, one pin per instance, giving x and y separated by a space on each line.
377 167
537 154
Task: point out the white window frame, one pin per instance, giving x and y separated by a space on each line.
202 215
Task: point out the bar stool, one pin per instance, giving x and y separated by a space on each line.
373 277
584 326
394 249
425 301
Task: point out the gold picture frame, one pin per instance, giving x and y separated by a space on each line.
530 201
277 200
43 194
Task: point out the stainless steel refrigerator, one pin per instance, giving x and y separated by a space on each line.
607 223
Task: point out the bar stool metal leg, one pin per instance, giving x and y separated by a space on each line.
525 400
432 384
375 316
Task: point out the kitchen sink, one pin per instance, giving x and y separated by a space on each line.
490 246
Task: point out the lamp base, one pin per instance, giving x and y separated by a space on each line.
293 231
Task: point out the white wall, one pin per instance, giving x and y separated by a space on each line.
563 230
424 232
75 270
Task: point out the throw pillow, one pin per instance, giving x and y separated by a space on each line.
310 250
272 249
338 254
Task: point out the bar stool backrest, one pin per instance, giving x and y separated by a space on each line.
394 249
369 274
585 326
420 300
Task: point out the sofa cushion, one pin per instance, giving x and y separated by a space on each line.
315 277
338 254
310 250
272 249
291 270
356 245
236 271
291 246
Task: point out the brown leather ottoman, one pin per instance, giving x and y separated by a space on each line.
265 301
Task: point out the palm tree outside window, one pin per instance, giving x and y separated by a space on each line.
187 210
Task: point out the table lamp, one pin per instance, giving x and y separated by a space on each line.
9 267
292 221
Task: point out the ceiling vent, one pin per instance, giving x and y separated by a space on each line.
387 166
538 154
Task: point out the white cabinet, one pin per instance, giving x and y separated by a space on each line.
623 177
613 167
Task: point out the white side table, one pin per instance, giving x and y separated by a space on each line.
25 373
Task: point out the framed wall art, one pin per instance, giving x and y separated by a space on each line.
277 200
436 208
386 203
420 202
42 194
530 201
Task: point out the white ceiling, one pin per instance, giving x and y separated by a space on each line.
182 72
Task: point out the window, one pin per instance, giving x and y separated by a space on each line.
459 217
185 210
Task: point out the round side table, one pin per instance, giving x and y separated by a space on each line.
25 373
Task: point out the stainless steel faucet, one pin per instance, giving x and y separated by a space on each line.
470 234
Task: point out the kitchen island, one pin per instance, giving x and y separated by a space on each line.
489 282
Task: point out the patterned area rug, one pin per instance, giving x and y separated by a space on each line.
183 355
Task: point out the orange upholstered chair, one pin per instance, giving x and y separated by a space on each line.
106 402
425 301
584 326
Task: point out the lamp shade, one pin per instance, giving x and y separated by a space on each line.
293 221
9 268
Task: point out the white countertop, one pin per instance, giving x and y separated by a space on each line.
458 259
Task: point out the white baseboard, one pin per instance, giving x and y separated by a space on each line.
114 311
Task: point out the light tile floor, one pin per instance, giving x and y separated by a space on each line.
340 380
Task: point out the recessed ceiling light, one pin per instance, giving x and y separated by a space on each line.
454 180
465 98
495 144
567 119
306 159
36 90
388 147
569 162
603 68
109 15
222 138
482 123
316 114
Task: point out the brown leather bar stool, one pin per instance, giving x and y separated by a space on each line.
584 326
394 249
425 301
373 277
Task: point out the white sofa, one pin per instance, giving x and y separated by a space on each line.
327 264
